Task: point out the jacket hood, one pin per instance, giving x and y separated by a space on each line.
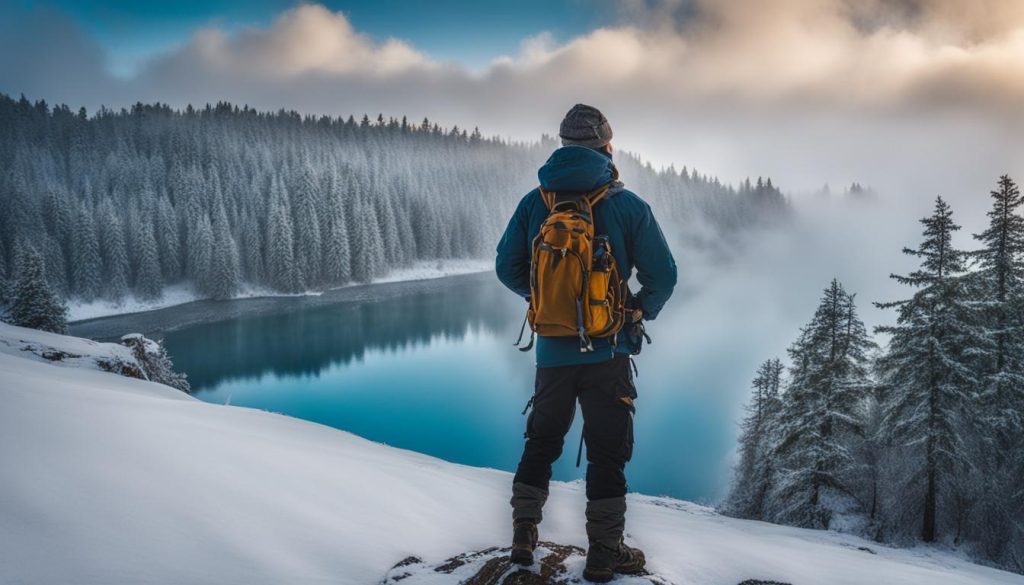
575 168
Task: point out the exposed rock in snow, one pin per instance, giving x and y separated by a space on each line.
68 351
555 564
136 357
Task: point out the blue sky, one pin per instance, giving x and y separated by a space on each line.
470 32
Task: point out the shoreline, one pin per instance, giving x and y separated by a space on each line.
158 321
182 294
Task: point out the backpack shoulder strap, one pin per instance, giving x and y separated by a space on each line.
591 197
597 194
551 197
548 197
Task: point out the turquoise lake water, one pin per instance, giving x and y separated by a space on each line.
435 372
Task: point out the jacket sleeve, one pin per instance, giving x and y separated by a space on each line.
513 262
655 266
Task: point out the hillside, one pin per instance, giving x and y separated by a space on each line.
109 479
125 204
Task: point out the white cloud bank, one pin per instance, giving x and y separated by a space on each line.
306 39
903 94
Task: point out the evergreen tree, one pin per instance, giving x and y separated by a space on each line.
56 268
87 265
997 519
389 224
149 282
308 244
373 241
337 257
755 469
4 275
152 357
252 252
33 302
168 240
1000 288
200 255
930 374
59 224
363 252
114 253
407 235
873 464
225 279
820 413
281 271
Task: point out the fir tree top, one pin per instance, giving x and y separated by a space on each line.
1003 242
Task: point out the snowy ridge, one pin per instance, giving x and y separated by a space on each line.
109 479
62 350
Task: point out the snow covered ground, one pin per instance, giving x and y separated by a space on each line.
182 293
110 480
437 269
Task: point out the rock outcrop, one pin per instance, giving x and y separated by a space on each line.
556 564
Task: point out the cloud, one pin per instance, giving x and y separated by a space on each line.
308 39
836 52
807 91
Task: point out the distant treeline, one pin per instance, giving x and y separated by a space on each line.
922 439
127 202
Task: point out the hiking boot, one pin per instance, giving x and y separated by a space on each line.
604 562
524 540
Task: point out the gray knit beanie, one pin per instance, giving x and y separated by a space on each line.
585 126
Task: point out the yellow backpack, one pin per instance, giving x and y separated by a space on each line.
575 286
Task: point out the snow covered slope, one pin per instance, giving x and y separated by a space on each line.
66 351
110 480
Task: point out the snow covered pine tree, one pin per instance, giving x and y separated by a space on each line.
757 440
33 302
997 287
820 415
155 362
930 374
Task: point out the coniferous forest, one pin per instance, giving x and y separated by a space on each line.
126 202
919 440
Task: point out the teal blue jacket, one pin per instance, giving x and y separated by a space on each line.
635 237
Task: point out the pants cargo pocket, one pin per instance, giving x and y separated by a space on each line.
625 393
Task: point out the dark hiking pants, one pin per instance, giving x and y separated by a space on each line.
605 392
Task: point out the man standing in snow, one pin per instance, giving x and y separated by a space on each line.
601 378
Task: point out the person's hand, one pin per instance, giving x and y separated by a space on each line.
635 315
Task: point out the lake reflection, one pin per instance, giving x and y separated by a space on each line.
436 372
306 341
